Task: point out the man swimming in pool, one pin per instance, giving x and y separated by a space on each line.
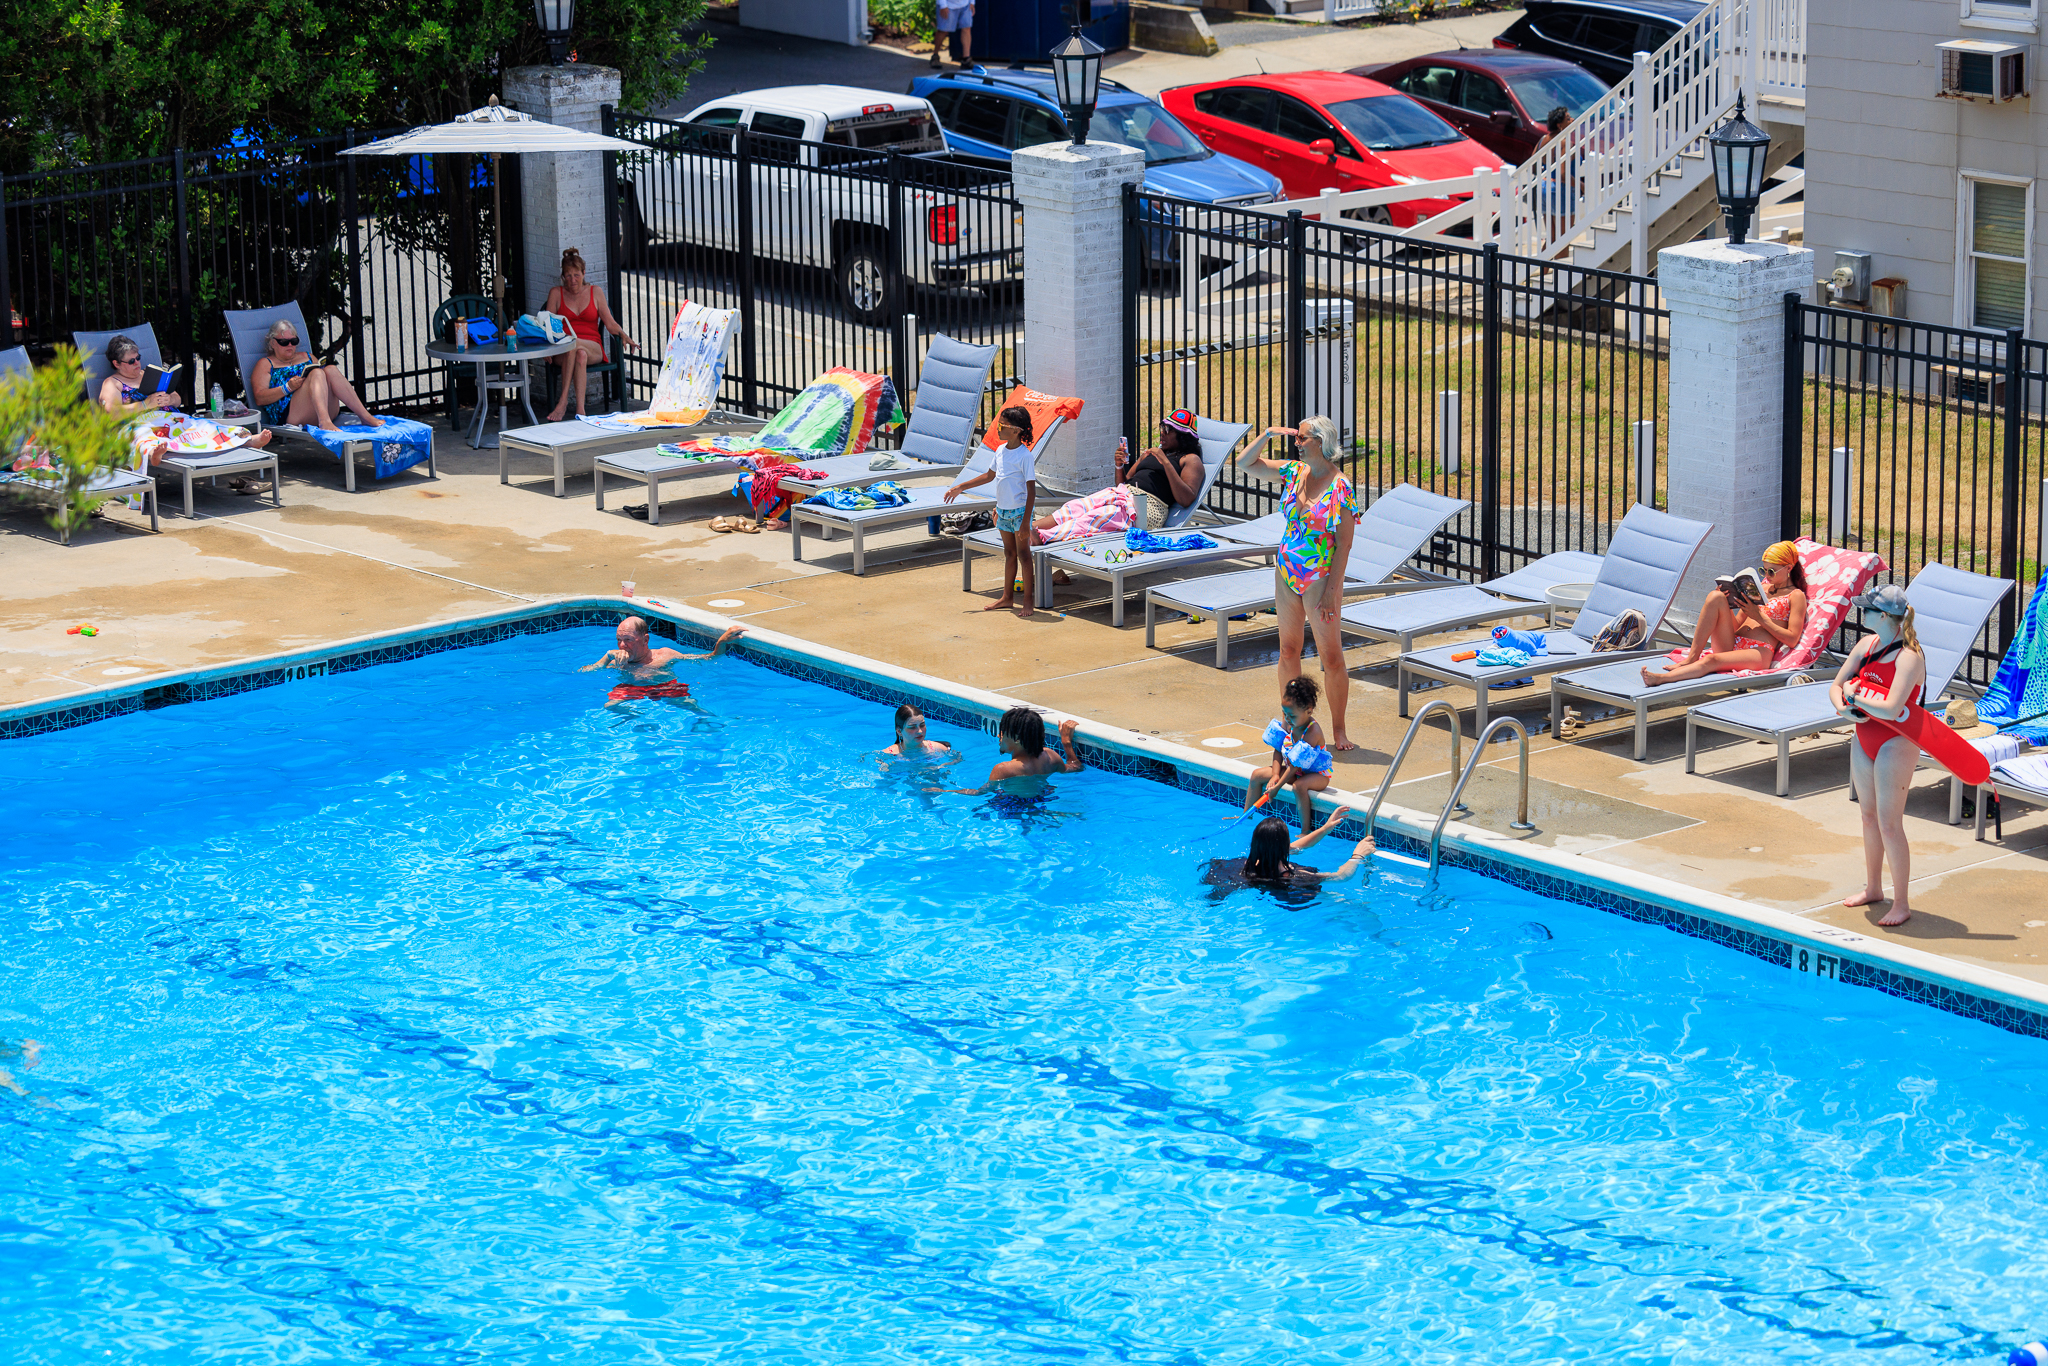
649 673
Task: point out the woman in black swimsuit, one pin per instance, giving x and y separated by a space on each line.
1169 475
1268 867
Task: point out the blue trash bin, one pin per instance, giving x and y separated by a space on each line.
1028 30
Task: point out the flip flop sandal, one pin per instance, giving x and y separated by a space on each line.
635 510
247 487
749 527
721 524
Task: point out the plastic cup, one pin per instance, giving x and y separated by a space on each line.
626 587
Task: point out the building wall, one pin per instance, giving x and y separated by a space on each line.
1884 150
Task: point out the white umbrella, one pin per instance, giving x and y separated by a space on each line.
495 130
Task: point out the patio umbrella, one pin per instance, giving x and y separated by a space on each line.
494 130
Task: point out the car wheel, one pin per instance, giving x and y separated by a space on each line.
864 282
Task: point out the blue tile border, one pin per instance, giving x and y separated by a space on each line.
39 719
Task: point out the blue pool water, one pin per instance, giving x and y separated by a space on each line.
432 1014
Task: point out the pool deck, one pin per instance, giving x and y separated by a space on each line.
244 579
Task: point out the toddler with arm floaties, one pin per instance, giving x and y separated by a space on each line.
1300 758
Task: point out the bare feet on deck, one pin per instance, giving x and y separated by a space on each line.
1867 897
1899 914
1023 611
1002 605
1341 742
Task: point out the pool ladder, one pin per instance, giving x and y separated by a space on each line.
1436 837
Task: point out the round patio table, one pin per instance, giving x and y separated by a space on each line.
498 354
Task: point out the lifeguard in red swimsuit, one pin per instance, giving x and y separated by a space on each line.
1880 682
648 673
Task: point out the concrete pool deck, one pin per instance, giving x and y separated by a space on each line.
244 579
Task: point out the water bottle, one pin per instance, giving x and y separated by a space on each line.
462 334
216 400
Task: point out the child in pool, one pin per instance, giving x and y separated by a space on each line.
1021 733
1266 863
1299 757
911 743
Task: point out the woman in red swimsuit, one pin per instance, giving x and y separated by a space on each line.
1882 677
590 317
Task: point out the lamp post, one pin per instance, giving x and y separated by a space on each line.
556 18
1740 149
1077 71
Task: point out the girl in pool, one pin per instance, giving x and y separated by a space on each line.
1267 865
1299 757
912 747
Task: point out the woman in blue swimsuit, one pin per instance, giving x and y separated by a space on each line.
291 386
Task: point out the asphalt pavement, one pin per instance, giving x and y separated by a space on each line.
749 59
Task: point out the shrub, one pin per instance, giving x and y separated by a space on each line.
45 414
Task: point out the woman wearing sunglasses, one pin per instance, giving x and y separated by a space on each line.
292 386
161 429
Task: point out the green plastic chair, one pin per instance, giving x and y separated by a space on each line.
453 307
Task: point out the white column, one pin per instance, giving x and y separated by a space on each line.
1073 295
563 191
1727 373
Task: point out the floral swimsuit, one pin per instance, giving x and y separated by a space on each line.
1309 543
281 376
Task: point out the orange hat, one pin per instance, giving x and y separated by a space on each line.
1781 552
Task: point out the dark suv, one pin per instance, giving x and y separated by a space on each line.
1602 36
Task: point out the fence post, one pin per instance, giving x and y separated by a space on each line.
1447 430
1297 316
2009 499
1841 483
1489 415
1646 462
750 347
6 269
1793 438
358 346
892 269
1134 272
1641 160
184 256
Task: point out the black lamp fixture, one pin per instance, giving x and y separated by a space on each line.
1077 72
556 18
1740 149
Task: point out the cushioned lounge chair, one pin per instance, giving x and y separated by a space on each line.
1645 560
1390 533
1621 685
92 351
1100 557
1217 439
2024 779
14 363
1403 617
249 329
1950 607
926 504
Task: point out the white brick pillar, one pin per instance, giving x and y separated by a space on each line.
1727 419
563 191
1073 200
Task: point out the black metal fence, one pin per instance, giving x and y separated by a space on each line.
1921 443
368 246
833 256
1534 389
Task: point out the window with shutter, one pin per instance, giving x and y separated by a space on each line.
1995 252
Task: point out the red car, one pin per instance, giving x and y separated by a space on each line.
1321 130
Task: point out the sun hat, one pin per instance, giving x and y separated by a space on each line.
1887 598
1181 420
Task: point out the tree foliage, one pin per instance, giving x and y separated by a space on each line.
48 424
85 81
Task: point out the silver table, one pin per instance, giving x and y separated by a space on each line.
498 354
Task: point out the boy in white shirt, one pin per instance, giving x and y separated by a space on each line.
954 20
1015 474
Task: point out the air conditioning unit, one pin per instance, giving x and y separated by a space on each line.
1993 73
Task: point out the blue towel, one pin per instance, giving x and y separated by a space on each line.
1530 643
1500 657
1145 542
399 443
887 494
2019 689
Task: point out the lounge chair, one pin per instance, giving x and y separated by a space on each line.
92 351
1950 607
1100 557
1217 439
1645 560
926 504
14 363
1402 617
1833 577
248 329
1390 533
2023 779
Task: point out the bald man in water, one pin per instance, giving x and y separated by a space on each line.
649 673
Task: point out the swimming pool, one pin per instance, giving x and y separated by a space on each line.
430 1013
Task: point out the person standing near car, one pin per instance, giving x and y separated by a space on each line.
955 17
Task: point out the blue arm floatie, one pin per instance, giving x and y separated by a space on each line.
1307 757
1276 736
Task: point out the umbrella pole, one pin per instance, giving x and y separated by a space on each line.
498 235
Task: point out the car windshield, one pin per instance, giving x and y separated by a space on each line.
1568 87
1392 123
1149 129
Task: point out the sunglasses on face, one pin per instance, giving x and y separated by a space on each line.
286 341
129 360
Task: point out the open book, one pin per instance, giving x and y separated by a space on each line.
156 379
1743 587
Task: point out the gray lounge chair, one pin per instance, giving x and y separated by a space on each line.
1390 533
1217 439
1950 607
1403 617
92 351
14 363
2007 785
1621 685
1645 560
1099 557
926 505
248 329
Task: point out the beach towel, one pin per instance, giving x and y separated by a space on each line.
2019 690
1042 407
2029 770
887 494
838 413
399 443
1833 576
1151 543
692 369
762 487
168 432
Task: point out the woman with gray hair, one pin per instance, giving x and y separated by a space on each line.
1322 514
290 385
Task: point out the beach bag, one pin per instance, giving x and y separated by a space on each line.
543 327
1627 631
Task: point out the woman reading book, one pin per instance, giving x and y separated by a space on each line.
290 385
161 429
1746 622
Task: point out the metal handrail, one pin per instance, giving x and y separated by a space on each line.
1521 821
1457 739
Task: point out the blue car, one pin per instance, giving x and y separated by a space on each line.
988 114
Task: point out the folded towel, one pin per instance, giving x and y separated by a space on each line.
887 460
1997 749
2030 770
1500 657
1147 543
1531 643
887 494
